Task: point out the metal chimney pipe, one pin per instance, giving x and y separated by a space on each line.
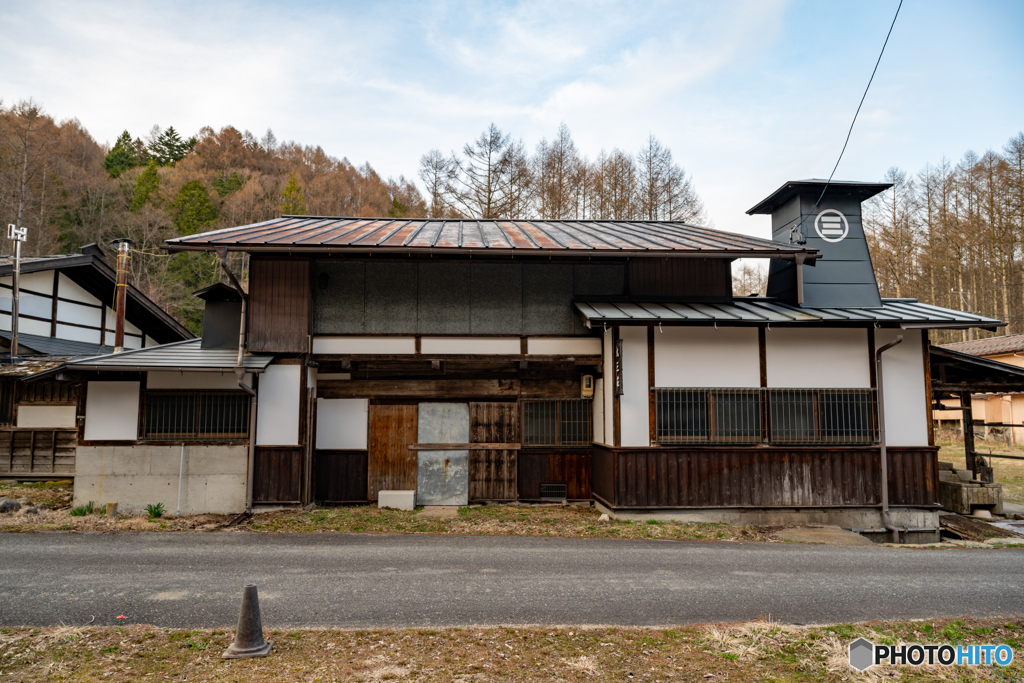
121 290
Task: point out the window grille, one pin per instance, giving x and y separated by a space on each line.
196 416
778 416
554 491
556 423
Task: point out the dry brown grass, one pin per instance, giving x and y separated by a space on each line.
756 651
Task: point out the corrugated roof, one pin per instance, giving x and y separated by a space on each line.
325 234
184 355
50 346
990 346
760 310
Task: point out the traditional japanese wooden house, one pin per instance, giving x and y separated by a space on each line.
500 360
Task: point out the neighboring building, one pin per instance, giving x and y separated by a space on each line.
65 313
474 361
997 414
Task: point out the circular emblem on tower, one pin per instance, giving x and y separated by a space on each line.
831 225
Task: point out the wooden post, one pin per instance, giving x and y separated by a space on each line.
926 346
968 420
616 421
652 403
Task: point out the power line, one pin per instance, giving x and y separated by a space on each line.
849 132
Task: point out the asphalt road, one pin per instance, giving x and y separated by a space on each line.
195 579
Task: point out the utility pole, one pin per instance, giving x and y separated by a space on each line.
121 290
19 235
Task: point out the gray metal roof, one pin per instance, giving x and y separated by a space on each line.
906 313
850 188
607 238
184 355
50 346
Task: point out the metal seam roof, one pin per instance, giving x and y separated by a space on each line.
756 311
604 236
179 355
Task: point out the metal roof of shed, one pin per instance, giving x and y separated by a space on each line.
607 238
906 313
185 356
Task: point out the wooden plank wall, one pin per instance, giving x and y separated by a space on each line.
493 474
722 477
339 476
572 467
278 306
277 475
694 277
391 464
38 452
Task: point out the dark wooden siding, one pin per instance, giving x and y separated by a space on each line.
340 476
277 475
278 306
722 477
391 464
693 277
38 452
493 474
571 467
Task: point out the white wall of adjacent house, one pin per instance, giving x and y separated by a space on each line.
818 358
609 387
727 357
111 411
903 381
46 417
277 410
634 404
342 423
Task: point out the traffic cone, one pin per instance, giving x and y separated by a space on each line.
249 636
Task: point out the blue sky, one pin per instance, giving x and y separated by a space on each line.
746 94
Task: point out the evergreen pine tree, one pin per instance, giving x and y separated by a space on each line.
192 209
169 148
146 186
294 203
121 156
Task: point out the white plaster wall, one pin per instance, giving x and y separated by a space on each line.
634 404
609 387
77 313
364 345
706 357
78 334
598 407
69 289
906 407
470 345
213 477
46 417
28 304
277 410
342 423
25 325
112 411
818 358
194 380
149 341
567 346
41 282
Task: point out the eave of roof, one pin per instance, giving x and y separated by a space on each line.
788 190
322 234
990 346
744 311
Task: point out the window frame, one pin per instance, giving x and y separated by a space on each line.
196 433
559 419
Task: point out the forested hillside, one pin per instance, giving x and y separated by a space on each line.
953 235
68 190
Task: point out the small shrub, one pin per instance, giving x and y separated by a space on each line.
82 510
155 511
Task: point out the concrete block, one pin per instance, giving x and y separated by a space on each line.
399 500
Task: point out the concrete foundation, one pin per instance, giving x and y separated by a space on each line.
399 500
915 525
212 479
960 492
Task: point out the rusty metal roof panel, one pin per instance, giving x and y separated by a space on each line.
608 237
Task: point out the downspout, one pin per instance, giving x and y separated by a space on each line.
222 254
886 521
181 471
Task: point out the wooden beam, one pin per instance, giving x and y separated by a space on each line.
465 446
968 422
925 345
419 388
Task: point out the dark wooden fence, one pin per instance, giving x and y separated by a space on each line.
38 452
571 467
277 475
760 477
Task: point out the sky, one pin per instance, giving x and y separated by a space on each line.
746 94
